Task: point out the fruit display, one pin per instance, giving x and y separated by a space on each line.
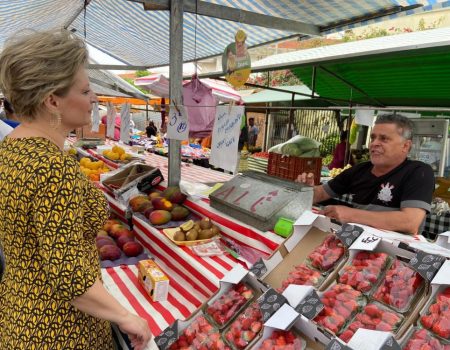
437 317
325 256
117 153
336 171
341 302
374 317
114 239
161 207
93 169
302 275
285 340
245 327
364 270
196 230
261 155
229 304
200 334
399 286
421 339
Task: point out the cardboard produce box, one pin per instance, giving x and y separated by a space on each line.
153 279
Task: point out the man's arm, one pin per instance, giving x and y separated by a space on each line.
405 220
319 192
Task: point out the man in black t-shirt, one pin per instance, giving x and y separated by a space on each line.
390 192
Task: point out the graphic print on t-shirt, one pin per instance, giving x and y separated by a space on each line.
385 193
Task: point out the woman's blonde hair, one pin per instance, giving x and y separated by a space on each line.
37 64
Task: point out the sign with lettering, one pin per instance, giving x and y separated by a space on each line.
95 118
125 118
177 125
110 120
236 62
225 137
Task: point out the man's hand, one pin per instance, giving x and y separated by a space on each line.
341 213
306 178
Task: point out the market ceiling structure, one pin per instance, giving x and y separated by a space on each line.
139 38
409 69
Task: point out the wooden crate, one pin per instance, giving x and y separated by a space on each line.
289 167
85 132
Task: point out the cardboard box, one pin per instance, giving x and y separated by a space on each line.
153 279
309 232
86 132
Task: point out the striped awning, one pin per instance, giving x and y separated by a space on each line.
124 30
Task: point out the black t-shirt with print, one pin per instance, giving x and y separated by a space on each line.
410 185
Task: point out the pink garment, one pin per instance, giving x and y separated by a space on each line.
116 126
200 107
338 156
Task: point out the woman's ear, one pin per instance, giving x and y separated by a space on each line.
51 103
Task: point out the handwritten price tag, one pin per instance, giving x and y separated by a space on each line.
178 125
366 241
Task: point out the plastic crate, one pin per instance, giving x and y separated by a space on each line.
289 167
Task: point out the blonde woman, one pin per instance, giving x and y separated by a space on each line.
51 295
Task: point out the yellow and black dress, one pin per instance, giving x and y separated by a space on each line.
49 216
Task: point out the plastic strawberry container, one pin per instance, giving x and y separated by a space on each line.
326 256
437 317
364 271
376 317
341 302
400 287
223 310
199 333
245 329
286 340
421 339
303 275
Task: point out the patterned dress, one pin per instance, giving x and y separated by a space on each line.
49 216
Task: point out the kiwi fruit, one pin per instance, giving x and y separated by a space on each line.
215 230
192 235
205 234
205 224
179 236
188 225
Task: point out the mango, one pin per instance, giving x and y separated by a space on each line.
174 194
160 217
132 249
109 252
179 213
135 202
161 203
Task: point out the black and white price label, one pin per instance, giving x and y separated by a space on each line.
427 265
366 241
349 233
167 337
259 268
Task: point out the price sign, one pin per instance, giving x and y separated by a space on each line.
167 337
178 126
270 302
259 268
366 241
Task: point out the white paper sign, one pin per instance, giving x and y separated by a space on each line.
110 119
125 123
178 125
366 241
225 137
364 117
95 117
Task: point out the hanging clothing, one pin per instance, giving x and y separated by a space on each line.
200 106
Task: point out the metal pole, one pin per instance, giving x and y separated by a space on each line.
175 88
291 117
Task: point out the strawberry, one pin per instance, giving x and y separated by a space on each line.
372 310
248 336
346 335
256 326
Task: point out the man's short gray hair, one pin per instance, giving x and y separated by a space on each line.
402 122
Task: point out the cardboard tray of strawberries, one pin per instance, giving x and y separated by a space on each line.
421 339
374 316
279 339
364 270
400 288
436 318
225 307
246 329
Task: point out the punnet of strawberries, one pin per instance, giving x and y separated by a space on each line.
437 318
423 340
364 271
341 302
245 327
374 317
326 255
399 286
200 335
229 304
302 275
282 340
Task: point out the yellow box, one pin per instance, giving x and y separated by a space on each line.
154 281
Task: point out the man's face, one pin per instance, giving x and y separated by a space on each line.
251 122
387 147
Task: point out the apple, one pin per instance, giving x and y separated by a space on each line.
132 248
